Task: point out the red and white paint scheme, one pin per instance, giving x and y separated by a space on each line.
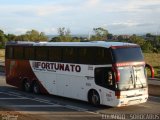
108 73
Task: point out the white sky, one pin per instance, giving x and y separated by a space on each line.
80 16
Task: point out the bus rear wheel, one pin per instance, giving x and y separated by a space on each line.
94 98
36 88
27 86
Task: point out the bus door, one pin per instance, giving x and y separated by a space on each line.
104 77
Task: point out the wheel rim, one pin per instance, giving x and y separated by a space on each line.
27 86
35 88
95 98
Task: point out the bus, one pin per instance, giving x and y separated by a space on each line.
106 73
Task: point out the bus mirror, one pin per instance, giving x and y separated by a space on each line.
151 69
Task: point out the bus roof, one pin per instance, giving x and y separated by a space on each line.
80 44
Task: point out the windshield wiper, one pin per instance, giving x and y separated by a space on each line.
130 80
137 78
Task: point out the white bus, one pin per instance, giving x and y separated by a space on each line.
107 73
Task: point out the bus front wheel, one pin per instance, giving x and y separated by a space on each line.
93 97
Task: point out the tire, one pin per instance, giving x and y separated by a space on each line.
27 86
94 98
36 88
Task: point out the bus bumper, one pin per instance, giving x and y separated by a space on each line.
131 101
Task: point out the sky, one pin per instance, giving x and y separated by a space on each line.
80 16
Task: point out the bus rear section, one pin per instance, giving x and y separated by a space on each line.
127 77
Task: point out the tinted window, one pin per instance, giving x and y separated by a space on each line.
103 56
105 77
86 55
29 53
127 54
70 54
18 52
55 54
41 53
9 52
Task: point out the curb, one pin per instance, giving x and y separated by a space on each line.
153 81
154 86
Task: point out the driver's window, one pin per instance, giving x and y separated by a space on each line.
109 78
104 77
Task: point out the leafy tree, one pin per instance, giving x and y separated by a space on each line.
22 38
120 37
110 36
137 40
55 39
3 39
157 40
34 35
11 37
149 35
156 43
64 36
100 34
147 47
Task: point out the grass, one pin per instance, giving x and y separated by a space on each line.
150 58
2 54
154 60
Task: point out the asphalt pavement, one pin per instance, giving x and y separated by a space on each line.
50 107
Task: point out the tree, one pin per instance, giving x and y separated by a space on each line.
149 35
34 35
137 40
147 46
110 36
156 43
55 39
11 37
3 39
120 37
64 35
100 34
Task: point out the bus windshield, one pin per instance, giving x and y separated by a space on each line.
132 77
128 54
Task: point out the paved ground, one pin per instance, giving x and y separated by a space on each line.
24 106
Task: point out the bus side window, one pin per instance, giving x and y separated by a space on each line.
41 53
29 53
86 55
99 56
102 56
9 52
98 76
104 77
108 56
18 52
70 54
55 54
